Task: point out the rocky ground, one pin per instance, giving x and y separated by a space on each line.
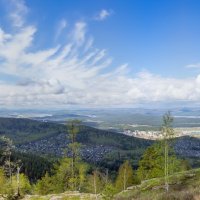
63 196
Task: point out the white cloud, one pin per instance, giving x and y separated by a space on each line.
197 65
74 73
79 32
17 12
103 14
61 26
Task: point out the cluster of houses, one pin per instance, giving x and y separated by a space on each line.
57 146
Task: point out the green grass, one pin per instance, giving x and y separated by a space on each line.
182 186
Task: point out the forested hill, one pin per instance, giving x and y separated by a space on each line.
26 130
98 146
104 148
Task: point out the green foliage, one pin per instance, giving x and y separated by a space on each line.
125 176
24 185
34 166
3 181
183 186
45 185
108 192
9 189
63 177
95 182
26 130
152 162
23 131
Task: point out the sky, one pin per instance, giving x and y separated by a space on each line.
99 53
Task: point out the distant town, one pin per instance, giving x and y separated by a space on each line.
156 135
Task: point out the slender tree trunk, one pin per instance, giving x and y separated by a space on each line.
95 185
73 184
18 182
73 157
125 178
10 170
166 166
106 176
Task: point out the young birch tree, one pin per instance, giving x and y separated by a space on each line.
168 134
125 176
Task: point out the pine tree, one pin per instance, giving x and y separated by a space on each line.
7 152
74 147
152 163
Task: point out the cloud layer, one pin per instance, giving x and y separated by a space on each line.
73 73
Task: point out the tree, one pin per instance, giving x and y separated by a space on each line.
7 152
108 192
125 176
3 181
95 183
74 147
46 185
19 166
21 184
63 177
168 133
70 172
152 163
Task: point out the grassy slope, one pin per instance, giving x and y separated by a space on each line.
183 186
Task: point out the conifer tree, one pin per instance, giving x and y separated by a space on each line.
7 152
152 163
74 147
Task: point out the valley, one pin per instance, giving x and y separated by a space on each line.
97 146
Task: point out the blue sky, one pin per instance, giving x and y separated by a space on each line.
99 52
160 36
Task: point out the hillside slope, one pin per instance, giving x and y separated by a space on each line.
48 138
108 147
182 186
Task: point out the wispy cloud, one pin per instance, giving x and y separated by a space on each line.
103 14
61 26
74 73
197 65
79 32
18 10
